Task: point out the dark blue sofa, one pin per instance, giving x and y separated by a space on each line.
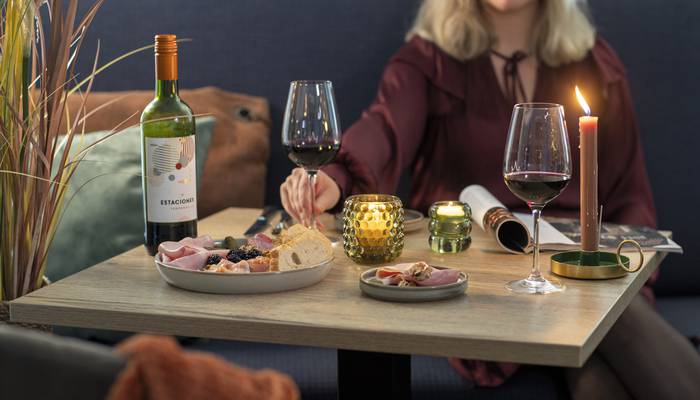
258 46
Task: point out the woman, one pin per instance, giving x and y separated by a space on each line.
443 110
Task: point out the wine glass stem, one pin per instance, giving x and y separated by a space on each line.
535 274
312 193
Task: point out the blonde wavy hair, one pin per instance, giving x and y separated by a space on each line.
562 34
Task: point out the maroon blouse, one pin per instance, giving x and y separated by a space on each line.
447 122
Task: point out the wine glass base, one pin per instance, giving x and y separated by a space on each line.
535 286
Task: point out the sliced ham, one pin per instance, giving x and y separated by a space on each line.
186 246
199 241
188 253
440 277
420 273
175 250
389 275
195 261
261 242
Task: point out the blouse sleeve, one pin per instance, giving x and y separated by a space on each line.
629 198
375 150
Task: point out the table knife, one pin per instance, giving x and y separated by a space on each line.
283 224
262 222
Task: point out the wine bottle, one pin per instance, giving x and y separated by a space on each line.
168 155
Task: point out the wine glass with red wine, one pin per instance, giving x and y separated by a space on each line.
537 168
311 131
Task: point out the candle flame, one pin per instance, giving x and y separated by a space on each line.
582 102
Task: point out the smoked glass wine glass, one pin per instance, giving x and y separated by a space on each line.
311 131
537 168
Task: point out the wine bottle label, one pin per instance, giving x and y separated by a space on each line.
171 181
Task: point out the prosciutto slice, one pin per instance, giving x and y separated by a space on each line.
440 277
394 274
261 242
419 274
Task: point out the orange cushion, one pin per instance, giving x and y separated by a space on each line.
235 170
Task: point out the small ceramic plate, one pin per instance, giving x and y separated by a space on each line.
372 287
251 283
412 221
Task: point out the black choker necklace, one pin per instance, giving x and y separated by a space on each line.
511 75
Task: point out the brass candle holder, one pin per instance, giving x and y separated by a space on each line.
373 228
580 264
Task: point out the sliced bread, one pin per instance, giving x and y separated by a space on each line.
300 247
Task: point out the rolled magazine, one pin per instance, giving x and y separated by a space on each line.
512 231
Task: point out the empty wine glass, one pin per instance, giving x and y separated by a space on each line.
537 168
311 131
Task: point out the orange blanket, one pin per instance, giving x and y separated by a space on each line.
159 369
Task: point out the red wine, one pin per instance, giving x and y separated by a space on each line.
536 188
311 156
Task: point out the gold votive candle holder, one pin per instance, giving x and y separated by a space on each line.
450 226
373 228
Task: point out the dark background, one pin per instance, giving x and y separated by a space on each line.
258 46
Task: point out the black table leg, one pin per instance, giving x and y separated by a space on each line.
367 375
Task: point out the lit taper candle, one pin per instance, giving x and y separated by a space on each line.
588 130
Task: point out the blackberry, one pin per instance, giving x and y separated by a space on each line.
237 255
253 253
234 256
213 259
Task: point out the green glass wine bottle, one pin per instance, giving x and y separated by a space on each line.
168 156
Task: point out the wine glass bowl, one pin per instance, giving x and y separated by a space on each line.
536 169
311 131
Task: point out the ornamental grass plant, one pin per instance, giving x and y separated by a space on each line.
40 143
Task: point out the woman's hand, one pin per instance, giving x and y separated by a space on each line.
296 198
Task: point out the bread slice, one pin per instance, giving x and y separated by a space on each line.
300 247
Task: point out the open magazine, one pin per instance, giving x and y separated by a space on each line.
513 230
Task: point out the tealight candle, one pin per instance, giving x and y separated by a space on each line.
450 226
373 228
450 210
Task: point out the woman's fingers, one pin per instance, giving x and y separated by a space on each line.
287 198
296 192
327 195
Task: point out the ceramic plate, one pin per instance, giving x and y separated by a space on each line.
372 287
251 283
412 221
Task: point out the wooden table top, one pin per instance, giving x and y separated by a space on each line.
489 323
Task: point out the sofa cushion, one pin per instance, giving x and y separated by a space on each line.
105 217
234 174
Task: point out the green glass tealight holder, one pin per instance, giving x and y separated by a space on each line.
450 226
